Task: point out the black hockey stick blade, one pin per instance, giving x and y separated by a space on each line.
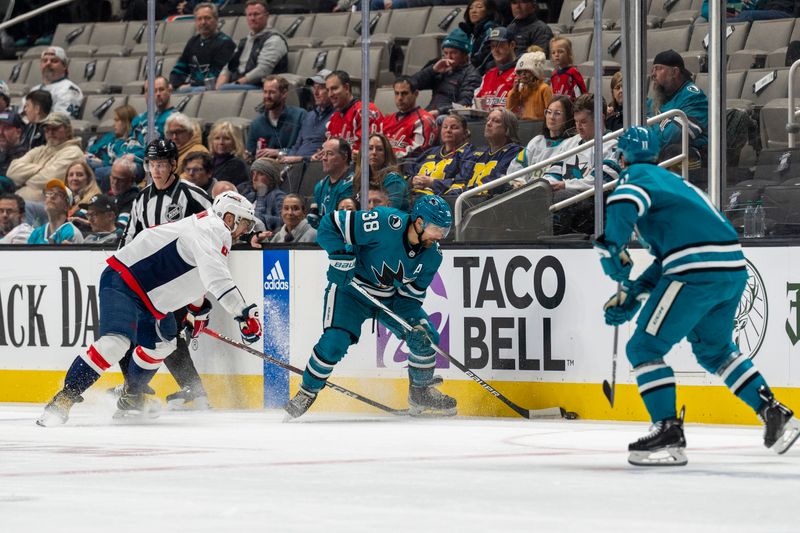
521 411
294 369
608 390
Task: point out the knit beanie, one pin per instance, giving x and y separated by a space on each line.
459 40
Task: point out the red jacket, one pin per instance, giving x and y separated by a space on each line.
410 133
495 87
347 123
568 81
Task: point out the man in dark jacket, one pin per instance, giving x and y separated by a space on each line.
204 55
452 78
527 29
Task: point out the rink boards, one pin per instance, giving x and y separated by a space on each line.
527 320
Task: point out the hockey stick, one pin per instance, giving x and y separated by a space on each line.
290 368
609 388
553 412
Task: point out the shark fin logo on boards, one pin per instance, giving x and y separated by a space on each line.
750 322
276 279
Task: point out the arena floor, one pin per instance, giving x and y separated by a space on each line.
248 471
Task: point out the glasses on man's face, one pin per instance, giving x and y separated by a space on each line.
554 114
52 193
173 133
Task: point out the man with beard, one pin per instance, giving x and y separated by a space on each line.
13 228
673 89
274 132
67 97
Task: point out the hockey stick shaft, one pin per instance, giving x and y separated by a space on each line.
609 389
294 369
525 413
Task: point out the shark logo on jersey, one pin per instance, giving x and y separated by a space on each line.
395 222
750 322
388 277
276 280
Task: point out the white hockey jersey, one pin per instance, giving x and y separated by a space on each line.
67 96
172 265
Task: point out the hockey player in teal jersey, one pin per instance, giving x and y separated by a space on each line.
691 290
393 256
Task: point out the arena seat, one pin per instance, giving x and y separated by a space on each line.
763 37
379 22
384 100
237 28
772 122
294 25
96 110
565 17
69 34
681 13
420 51
581 45
215 105
697 50
777 89
612 14
325 25
611 59
782 208
676 38
108 39
444 19
350 62
777 56
120 72
315 59
34 52
406 24
84 71
733 84
14 73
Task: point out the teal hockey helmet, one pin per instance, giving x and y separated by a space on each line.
434 211
639 144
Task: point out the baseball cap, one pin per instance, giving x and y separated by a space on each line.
101 202
56 119
56 183
499 35
56 51
319 77
9 118
671 58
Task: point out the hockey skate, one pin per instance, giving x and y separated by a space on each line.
781 429
56 412
664 446
136 406
188 398
299 404
116 392
429 401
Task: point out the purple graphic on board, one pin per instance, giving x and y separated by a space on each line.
392 351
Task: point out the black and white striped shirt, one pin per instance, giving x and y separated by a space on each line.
153 206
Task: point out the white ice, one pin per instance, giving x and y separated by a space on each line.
247 471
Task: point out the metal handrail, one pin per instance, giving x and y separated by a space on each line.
683 157
791 126
33 13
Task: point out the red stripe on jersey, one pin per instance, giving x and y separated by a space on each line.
97 359
131 282
146 358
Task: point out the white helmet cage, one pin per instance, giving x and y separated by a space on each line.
238 206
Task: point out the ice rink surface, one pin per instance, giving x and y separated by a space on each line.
248 471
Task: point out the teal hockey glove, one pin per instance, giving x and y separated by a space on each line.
615 260
342 268
623 307
418 340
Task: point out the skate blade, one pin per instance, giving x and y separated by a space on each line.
49 420
670 456
198 404
427 412
790 434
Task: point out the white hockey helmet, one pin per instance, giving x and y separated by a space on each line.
238 206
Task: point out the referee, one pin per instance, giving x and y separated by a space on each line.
167 199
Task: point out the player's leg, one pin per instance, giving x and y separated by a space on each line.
423 398
116 333
192 394
342 318
670 312
156 340
716 352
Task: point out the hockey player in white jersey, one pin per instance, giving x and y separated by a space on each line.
691 290
167 267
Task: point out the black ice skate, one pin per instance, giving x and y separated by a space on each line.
781 429
299 404
428 401
188 398
664 446
135 405
116 392
56 412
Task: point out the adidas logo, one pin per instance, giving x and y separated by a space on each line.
276 280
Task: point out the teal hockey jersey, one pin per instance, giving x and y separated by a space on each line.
327 196
386 263
688 236
692 101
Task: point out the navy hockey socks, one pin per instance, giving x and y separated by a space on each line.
139 377
80 376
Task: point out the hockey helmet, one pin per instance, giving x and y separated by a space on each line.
639 144
161 149
238 206
434 211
